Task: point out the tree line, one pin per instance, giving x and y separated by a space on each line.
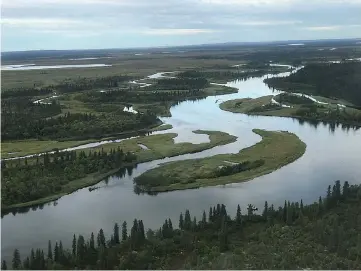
333 80
25 180
19 125
127 96
68 86
322 235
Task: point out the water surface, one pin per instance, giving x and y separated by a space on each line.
333 152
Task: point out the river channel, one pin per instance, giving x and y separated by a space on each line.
333 152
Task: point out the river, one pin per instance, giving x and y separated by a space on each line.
332 153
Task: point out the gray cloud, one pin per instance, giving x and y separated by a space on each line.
221 18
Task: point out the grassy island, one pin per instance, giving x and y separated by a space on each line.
62 173
276 149
290 105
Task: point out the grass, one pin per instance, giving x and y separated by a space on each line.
27 147
162 127
276 148
160 146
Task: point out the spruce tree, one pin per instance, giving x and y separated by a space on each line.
285 212
187 220
74 246
181 222
141 230
92 242
265 211
56 252
101 238
210 219
223 235
50 251
238 217
4 266
204 219
170 224
16 259
61 252
116 234
26 264
194 224
124 231
345 189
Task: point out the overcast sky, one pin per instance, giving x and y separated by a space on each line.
78 24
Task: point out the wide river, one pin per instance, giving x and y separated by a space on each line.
332 153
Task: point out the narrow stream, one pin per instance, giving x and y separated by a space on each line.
333 152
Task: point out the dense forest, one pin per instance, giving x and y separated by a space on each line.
139 96
333 80
322 235
24 181
23 119
67 86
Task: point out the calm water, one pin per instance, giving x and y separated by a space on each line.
332 153
26 67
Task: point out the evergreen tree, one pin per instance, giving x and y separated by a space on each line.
124 231
116 233
80 249
338 190
238 217
187 220
210 215
285 212
289 214
301 206
61 252
204 219
265 211
141 230
194 224
92 242
320 206
181 222
16 259
101 238
32 259
26 264
56 252
50 251
4 265
328 197
223 236
74 246
345 189
170 224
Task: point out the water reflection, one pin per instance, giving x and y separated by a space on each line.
333 152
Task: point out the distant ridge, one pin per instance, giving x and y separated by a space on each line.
31 54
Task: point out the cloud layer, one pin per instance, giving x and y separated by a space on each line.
66 24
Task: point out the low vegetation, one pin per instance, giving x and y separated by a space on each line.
162 127
31 181
331 80
276 149
297 107
322 235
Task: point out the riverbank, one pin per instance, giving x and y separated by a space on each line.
157 147
276 149
312 111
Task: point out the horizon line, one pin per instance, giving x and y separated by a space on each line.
188 45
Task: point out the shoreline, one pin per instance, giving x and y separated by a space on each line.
282 113
269 138
97 177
